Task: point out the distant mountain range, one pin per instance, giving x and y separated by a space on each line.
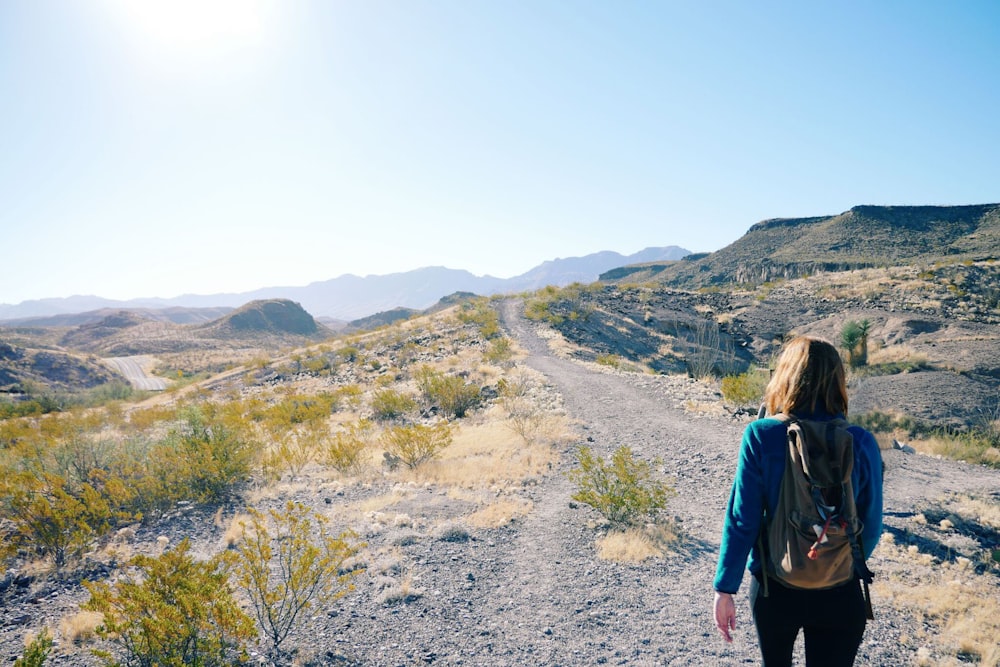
350 297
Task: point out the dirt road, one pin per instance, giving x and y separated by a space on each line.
133 368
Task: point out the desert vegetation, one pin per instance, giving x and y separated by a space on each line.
272 487
371 411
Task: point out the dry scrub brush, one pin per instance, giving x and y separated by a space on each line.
952 600
286 563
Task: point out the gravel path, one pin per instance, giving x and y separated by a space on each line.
535 593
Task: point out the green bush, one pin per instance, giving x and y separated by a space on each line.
745 389
176 611
37 650
388 404
450 393
54 520
479 313
206 456
286 564
622 491
498 351
417 443
345 451
612 360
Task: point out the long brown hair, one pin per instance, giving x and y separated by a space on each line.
809 376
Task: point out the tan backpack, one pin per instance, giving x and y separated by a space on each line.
813 539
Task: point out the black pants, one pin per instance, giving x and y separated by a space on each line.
833 621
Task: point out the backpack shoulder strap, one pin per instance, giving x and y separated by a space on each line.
761 534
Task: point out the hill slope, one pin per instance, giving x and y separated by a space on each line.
864 236
270 316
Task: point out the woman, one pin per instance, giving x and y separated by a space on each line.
808 383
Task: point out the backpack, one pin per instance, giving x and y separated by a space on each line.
813 539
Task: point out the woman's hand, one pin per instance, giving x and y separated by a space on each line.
725 614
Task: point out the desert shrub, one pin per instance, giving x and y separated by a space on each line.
989 422
417 443
479 313
498 350
346 447
349 353
451 393
854 340
300 408
205 456
175 611
524 417
293 447
351 394
745 389
388 404
37 651
622 491
707 353
612 360
538 310
287 563
971 446
53 520
882 422
317 365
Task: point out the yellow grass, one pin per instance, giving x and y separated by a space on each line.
379 503
630 546
635 545
487 455
960 608
894 354
500 513
233 534
80 627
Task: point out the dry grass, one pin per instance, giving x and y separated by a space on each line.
233 534
630 546
379 503
961 608
958 447
487 455
955 610
635 545
975 509
80 627
896 354
500 513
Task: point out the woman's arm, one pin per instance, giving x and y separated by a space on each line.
868 493
743 516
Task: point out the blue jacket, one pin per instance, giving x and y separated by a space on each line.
759 471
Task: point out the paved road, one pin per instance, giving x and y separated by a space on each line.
133 370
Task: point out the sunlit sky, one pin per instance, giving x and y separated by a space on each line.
155 148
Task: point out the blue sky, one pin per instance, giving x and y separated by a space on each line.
152 148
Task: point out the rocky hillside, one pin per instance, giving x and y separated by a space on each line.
26 369
269 316
863 237
933 332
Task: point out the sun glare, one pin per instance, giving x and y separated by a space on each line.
194 32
